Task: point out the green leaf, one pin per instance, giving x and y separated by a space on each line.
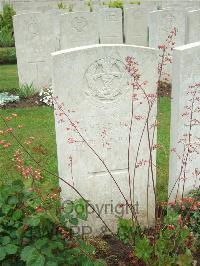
41 242
11 249
36 260
17 215
2 253
27 252
33 221
17 185
143 249
32 257
13 200
73 220
68 207
161 245
125 229
5 240
184 233
51 263
57 245
6 209
80 207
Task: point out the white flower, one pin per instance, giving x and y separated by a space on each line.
46 95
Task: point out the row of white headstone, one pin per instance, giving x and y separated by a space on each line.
93 5
39 34
93 117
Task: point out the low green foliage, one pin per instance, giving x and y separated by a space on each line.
116 4
6 18
33 229
8 55
89 3
26 91
61 5
68 7
171 243
125 230
6 39
6 27
143 250
188 209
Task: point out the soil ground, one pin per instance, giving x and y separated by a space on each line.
164 90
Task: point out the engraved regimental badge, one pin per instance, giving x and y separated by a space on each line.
107 79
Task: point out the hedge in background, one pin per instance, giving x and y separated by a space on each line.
6 27
6 39
8 55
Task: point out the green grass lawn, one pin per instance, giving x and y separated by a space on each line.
39 123
164 149
8 78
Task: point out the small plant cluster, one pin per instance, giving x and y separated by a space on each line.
46 95
6 98
188 209
33 228
26 91
6 27
175 236
116 4
89 4
69 7
119 3
173 241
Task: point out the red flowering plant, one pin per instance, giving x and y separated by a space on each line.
188 210
170 242
34 228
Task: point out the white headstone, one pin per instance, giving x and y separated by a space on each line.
78 29
180 4
94 86
36 37
151 5
136 26
161 25
193 26
110 25
184 172
162 22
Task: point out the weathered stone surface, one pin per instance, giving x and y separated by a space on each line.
36 36
94 86
136 26
184 174
180 4
110 25
78 29
162 22
193 26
